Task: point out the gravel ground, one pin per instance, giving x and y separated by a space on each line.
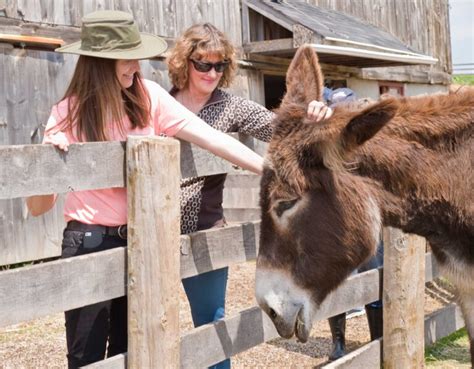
41 343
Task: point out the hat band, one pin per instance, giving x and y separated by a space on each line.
108 37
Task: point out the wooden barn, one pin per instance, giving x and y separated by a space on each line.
370 46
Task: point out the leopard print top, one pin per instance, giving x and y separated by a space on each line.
201 197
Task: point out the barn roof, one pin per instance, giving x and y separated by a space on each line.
338 38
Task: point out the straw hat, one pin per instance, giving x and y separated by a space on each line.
113 34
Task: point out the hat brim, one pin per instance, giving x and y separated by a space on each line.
150 47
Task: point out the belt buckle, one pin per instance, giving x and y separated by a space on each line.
120 229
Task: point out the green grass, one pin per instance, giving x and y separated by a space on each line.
464 79
449 351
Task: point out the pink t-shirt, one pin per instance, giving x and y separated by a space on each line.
109 206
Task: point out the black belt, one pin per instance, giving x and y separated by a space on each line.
117 231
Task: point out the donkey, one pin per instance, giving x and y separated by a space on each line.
326 192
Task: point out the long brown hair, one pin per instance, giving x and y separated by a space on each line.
96 98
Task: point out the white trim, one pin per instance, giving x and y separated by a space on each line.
341 40
350 51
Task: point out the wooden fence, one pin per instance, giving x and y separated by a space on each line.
150 269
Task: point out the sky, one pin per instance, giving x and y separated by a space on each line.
461 19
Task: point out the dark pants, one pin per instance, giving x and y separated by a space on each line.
89 328
375 262
206 295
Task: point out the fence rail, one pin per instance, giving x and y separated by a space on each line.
42 169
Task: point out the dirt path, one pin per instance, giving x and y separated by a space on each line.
41 343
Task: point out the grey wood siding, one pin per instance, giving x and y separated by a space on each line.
422 24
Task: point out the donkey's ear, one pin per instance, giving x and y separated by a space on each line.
304 81
367 123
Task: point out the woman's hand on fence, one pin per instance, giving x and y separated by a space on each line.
318 111
38 205
58 139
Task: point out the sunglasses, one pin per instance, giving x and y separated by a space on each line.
206 67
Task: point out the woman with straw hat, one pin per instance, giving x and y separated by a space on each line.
106 100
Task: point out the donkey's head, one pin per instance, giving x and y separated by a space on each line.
319 221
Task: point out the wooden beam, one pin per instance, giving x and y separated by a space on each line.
153 257
282 45
442 323
15 26
365 357
200 252
411 74
24 41
283 63
42 169
45 289
403 299
217 248
115 362
48 288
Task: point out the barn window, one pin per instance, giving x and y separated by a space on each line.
391 88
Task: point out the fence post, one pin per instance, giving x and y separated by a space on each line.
403 300
153 252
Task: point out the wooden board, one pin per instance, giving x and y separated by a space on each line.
442 323
42 169
212 249
365 357
48 288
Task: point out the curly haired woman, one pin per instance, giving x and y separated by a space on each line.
202 62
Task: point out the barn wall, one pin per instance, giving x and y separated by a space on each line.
163 17
422 24
413 89
364 88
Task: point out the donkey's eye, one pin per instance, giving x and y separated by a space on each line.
282 206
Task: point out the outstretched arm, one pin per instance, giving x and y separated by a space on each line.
222 145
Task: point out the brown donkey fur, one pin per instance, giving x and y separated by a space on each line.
327 190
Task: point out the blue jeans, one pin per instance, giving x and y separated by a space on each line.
206 295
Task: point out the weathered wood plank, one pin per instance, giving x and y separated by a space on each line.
42 169
437 325
442 323
35 291
153 258
40 290
366 357
115 362
403 296
431 267
215 342
270 46
201 252
216 248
